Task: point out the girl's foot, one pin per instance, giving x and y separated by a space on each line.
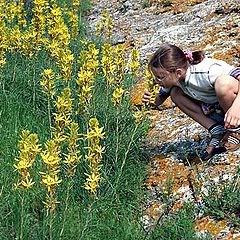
217 132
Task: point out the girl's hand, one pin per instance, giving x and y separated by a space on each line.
146 97
232 117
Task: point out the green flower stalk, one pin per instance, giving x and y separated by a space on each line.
48 87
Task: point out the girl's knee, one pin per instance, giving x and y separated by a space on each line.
225 83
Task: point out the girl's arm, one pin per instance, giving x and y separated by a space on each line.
159 100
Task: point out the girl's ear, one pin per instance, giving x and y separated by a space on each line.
179 73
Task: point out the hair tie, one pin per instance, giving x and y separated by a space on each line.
189 55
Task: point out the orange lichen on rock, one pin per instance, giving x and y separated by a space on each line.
137 93
176 6
167 174
177 205
219 36
211 226
155 210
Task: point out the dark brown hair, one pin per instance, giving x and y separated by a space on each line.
171 57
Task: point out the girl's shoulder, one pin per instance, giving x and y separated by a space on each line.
208 63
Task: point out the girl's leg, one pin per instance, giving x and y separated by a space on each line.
191 107
226 88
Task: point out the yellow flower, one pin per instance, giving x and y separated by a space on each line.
117 96
98 149
27 183
95 133
48 82
22 164
28 150
50 160
51 181
92 182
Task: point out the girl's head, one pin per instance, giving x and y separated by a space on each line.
169 64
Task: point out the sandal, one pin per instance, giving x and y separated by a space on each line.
231 141
213 150
217 150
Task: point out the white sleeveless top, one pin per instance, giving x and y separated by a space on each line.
200 79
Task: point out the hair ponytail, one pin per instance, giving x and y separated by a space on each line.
194 57
171 57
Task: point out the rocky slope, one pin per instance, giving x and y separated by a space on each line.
174 140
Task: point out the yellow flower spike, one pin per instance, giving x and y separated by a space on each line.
105 26
153 88
99 28
64 110
109 27
51 159
76 3
48 82
105 15
84 42
92 183
93 123
95 134
95 151
117 96
134 61
14 39
28 150
107 63
58 32
140 115
22 164
21 15
72 157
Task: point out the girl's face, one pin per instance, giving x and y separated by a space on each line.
168 79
